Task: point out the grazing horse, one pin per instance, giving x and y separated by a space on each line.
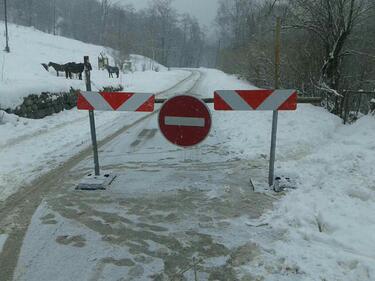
113 69
72 67
57 67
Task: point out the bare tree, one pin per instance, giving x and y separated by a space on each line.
332 22
164 17
155 32
326 44
105 6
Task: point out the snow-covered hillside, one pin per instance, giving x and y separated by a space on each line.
21 72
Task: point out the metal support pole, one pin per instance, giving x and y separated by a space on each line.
271 176
7 49
94 142
92 117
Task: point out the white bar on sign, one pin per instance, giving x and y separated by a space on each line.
184 121
234 100
135 102
97 101
274 101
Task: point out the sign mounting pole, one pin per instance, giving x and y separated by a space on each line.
92 117
271 176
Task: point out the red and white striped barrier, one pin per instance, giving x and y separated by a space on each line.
249 100
116 101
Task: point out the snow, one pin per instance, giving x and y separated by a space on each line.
328 222
71 243
139 63
323 230
218 80
22 74
333 166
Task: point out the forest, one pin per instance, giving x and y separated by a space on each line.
157 31
327 48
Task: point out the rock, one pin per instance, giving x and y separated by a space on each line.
45 104
57 108
49 111
28 102
39 114
30 115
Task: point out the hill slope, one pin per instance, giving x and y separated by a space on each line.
21 72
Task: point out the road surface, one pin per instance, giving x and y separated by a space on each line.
171 214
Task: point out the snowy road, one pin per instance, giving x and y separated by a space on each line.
171 212
16 211
167 208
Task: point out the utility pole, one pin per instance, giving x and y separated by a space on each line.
54 17
218 54
7 49
163 58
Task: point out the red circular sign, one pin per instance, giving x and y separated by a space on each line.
185 120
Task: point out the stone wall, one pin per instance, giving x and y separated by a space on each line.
45 104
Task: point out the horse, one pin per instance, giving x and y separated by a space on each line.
113 69
72 67
45 66
57 67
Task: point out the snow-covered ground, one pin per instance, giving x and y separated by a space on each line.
200 200
22 74
327 225
325 229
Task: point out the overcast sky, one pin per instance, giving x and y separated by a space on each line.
203 10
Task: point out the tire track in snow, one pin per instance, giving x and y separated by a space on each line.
17 211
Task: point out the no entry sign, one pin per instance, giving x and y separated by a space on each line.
185 120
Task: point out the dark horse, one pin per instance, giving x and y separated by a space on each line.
72 67
45 66
57 67
113 69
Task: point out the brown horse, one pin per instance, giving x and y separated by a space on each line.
113 69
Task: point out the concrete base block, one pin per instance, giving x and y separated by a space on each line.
92 182
259 185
